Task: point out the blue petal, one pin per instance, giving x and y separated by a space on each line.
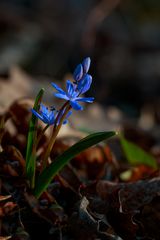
76 105
69 87
65 121
71 92
60 90
68 114
86 64
85 99
78 72
44 109
45 115
51 119
46 120
84 84
37 114
59 95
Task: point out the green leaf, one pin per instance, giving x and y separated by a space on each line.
31 146
136 155
47 175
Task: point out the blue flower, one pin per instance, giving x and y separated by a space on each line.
49 116
81 85
45 115
73 92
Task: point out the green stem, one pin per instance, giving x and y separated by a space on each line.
41 134
54 135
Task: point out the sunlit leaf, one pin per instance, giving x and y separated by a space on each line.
136 155
47 175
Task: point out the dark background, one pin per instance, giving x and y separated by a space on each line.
48 38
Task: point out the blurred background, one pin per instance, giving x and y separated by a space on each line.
43 40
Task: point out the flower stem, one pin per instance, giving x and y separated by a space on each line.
59 113
55 133
41 134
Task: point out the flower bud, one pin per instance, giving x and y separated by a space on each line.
86 64
78 73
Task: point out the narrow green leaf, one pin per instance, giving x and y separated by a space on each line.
136 155
31 147
47 175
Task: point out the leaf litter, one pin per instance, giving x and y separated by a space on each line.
91 198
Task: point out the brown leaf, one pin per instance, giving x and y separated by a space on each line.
10 170
149 219
21 114
135 195
124 225
53 213
125 200
12 161
5 238
3 198
8 207
69 178
15 155
82 219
